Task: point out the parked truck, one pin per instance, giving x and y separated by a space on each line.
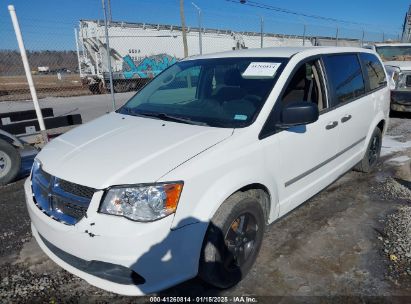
43 69
397 62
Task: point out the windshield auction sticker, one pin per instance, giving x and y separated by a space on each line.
261 70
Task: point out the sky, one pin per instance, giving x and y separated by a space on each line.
49 24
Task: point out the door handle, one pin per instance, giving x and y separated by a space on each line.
346 118
331 125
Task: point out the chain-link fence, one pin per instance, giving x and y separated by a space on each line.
77 64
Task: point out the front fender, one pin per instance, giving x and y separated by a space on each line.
204 194
214 175
11 139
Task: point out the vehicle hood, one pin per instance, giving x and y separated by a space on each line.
403 65
121 149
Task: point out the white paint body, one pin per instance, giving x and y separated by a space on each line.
214 163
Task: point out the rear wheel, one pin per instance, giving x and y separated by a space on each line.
232 242
10 162
370 159
121 86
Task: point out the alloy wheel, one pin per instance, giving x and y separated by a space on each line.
240 241
374 150
5 164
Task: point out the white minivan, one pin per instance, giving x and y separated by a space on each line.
182 180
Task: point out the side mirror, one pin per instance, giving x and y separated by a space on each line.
298 113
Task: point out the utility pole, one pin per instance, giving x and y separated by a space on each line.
183 28
110 72
262 31
304 33
336 37
110 16
200 28
362 38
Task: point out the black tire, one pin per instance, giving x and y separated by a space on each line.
221 265
372 154
94 89
121 86
10 162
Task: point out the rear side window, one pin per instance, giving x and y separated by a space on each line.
345 76
374 71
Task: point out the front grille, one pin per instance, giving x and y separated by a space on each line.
76 189
68 208
60 199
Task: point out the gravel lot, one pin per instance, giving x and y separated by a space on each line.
352 239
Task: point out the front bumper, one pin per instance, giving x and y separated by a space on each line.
160 256
401 100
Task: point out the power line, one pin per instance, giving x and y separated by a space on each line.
287 11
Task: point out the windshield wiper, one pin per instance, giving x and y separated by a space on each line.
167 117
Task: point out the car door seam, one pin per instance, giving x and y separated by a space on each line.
302 175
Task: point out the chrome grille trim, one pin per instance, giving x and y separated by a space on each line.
61 200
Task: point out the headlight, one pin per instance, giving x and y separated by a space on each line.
396 77
400 81
142 202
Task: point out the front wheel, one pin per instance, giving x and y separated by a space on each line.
232 241
372 154
10 162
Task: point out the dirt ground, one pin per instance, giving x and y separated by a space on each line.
330 249
16 87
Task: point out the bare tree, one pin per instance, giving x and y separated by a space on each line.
183 28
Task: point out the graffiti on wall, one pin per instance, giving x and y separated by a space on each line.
149 67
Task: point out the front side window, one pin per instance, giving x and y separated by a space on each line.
306 85
218 92
345 76
374 71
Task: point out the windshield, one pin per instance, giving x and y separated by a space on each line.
218 92
394 53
